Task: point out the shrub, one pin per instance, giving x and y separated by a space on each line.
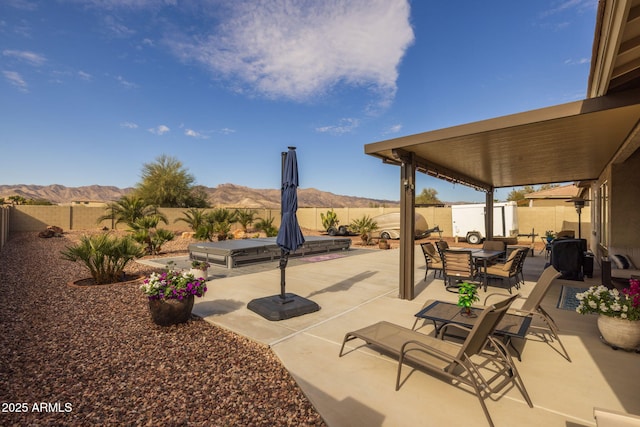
105 256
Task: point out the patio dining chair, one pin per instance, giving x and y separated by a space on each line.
541 320
508 270
462 363
441 246
432 259
458 266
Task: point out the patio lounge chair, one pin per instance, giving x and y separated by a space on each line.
432 259
541 320
462 363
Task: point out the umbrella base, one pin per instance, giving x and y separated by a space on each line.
276 308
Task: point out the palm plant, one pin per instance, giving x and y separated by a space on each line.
221 220
267 226
194 217
104 256
245 217
146 232
129 209
364 226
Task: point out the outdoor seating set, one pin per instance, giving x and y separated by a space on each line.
458 264
477 357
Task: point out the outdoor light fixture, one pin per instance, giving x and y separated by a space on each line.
579 203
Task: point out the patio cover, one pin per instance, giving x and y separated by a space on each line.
568 142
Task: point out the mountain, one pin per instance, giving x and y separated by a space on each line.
224 195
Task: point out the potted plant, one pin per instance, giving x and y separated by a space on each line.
171 294
199 268
383 244
467 295
550 235
618 313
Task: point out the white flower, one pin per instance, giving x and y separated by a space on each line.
593 304
581 296
603 307
623 315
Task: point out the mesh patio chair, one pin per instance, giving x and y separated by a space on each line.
432 260
462 363
541 320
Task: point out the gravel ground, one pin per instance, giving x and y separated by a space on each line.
92 356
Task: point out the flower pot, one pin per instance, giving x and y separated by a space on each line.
198 273
620 333
468 312
171 311
383 245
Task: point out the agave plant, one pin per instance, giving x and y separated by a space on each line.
105 256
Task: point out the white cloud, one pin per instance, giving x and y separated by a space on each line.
159 130
22 4
24 55
345 126
129 125
16 79
299 50
84 76
227 131
118 28
192 133
394 129
126 83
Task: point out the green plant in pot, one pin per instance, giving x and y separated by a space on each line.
171 294
467 295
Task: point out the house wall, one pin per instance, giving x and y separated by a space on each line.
625 203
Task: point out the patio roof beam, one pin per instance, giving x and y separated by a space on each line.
441 172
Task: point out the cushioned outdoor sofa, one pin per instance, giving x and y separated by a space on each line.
625 262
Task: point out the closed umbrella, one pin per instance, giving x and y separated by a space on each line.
290 236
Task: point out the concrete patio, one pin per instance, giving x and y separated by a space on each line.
358 389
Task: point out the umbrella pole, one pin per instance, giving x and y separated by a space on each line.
284 258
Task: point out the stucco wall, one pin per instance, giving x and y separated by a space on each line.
36 218
625 203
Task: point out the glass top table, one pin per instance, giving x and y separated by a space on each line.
442 313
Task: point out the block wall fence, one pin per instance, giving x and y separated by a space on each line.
37 218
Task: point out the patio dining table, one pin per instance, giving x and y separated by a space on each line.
485 256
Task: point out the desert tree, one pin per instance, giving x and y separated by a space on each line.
167 183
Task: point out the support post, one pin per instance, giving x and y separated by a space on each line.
407 226
488 218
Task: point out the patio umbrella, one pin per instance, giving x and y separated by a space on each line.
290 236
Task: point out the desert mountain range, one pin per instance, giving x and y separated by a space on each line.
224 195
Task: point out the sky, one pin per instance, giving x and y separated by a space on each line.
92 90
